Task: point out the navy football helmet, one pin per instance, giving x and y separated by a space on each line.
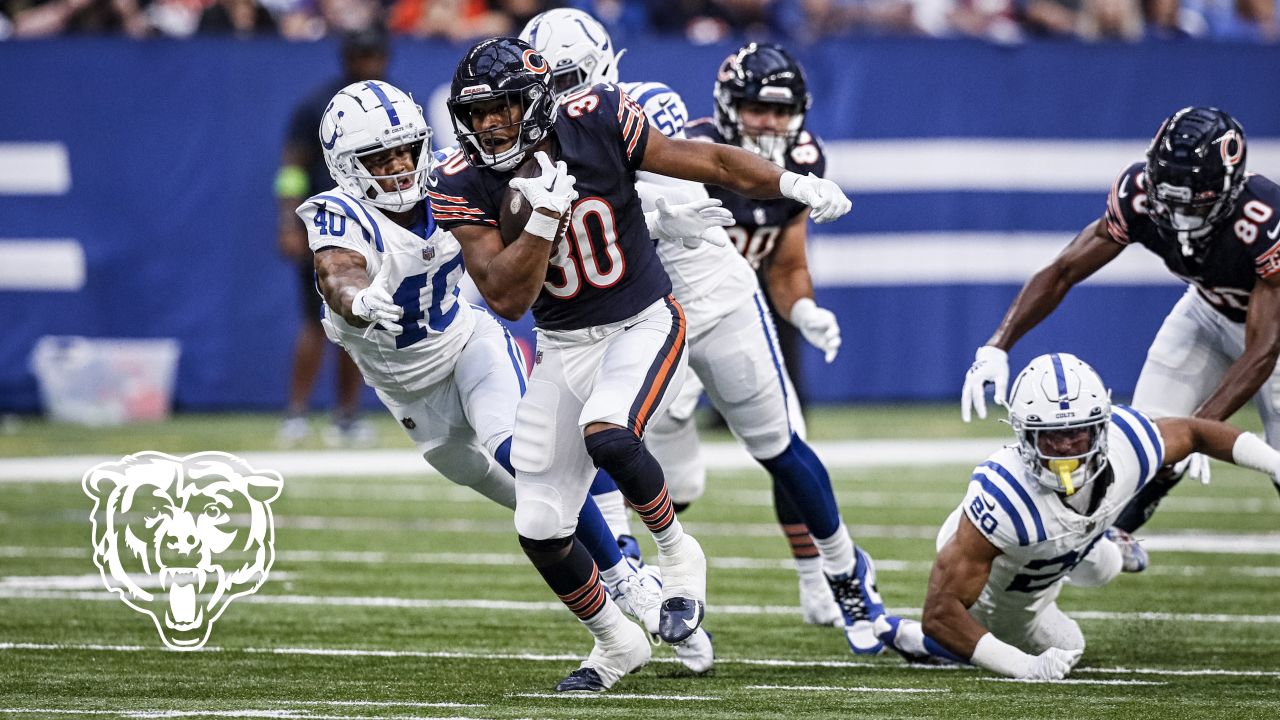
761 73
1195 172
509 71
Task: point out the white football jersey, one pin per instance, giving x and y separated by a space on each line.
709 281
1041 538
423 280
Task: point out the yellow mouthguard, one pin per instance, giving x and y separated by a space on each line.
1064 468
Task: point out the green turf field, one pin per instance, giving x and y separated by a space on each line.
404 597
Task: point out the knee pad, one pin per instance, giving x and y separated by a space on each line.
614 447
540 513
546 552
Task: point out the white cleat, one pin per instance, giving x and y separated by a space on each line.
696 652
640 597
684 591
817 604
625 652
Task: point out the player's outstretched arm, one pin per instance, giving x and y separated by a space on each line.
790 286
959 573
1261 350
1184 436
1083 256
343 277
741 171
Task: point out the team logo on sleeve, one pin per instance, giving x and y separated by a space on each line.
180 538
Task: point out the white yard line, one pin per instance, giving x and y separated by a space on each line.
1074 681
27 593
859 689
613 696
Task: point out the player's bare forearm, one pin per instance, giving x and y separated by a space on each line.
959 573
509 278
1261 350
1184 436
341 273
709 163
787 274
1085 255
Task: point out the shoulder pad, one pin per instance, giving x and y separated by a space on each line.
1126 202
319 211
1000 506
1138 438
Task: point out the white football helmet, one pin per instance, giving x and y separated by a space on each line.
368 117
576 45
1060 394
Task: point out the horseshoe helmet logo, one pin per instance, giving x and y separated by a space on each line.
180 538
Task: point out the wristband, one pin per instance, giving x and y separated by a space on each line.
291 182
1251 452
542 226
998 656
787 184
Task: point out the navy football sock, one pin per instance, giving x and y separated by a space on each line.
503 456
805 481
567 568
792 522
935 648
638 475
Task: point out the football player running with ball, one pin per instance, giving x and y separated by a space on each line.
446 370
1216 227
732 347
611 339
1037 514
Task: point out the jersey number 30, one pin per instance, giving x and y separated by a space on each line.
592 227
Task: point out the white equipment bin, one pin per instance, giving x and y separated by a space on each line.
105 381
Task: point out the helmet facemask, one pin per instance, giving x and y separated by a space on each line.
770 145
1060 410
371 117
522 108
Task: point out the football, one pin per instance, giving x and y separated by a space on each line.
514 213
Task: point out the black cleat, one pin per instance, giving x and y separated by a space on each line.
680 616
584 679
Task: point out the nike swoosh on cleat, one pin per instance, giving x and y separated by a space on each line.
692 624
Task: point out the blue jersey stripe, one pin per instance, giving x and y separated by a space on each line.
1061 376
1030 504
773 353
386 102
377 234
1144 464
998 494
1157 442
655 89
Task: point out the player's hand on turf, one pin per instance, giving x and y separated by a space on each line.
826 199
818 325
1194 466
552 191
691 223
1052 664
990 365
375 303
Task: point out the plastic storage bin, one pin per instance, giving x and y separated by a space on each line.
105 381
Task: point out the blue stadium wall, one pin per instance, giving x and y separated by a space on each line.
969 164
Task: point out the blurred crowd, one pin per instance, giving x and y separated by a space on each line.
700 21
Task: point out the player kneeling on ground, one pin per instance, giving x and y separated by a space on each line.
1037 515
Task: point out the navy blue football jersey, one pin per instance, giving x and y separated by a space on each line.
758 223
605 268
1243 246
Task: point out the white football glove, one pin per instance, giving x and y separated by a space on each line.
553 190
1052 664
824 196
690 223
990 365
1196 466
376 305
818 325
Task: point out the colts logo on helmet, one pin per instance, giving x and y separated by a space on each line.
180 538
1232 148
534 62
328 144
